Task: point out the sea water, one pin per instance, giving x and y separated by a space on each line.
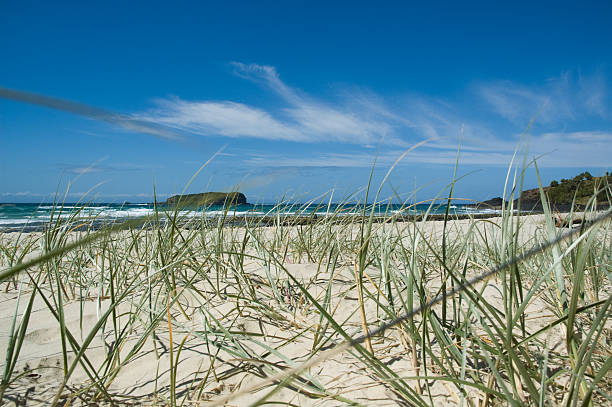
33 217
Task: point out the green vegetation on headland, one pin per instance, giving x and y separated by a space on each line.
564 193
208 198
582 187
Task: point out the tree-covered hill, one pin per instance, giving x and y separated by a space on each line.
578 190
563 193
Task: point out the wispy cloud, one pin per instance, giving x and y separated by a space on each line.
316 119
224 118
303 119
366 159
568 97
593 93
487 123
76 195
514 102
80 169
20 194
579 149
572 119
574 149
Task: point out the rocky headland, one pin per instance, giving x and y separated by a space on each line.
563 195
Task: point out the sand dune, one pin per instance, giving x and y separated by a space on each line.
236 317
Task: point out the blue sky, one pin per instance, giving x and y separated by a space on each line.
298 98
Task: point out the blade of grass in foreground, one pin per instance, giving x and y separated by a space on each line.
16 339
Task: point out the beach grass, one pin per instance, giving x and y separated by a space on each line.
183 310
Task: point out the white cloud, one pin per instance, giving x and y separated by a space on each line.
76 195
514 102
593 92
81 169
267 76
227 119
303 119
562 107
323 123
360 160
20 193
565 98
579 149
491 118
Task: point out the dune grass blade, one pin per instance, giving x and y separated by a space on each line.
16 339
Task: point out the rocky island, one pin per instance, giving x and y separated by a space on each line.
208 198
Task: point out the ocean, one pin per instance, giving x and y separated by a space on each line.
35 217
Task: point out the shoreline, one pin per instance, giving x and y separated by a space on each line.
82 225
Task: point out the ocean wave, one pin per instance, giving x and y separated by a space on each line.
18 215
17 221
123 213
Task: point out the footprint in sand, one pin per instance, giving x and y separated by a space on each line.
43 336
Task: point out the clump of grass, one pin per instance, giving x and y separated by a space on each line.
476 312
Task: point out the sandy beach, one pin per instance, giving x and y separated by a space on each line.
186 317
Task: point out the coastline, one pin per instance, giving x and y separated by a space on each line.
82 225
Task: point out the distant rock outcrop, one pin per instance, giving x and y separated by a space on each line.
208 198
495 203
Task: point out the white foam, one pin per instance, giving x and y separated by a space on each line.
232 213
42 214
123 213
18 221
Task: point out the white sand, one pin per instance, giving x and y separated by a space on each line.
143 379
